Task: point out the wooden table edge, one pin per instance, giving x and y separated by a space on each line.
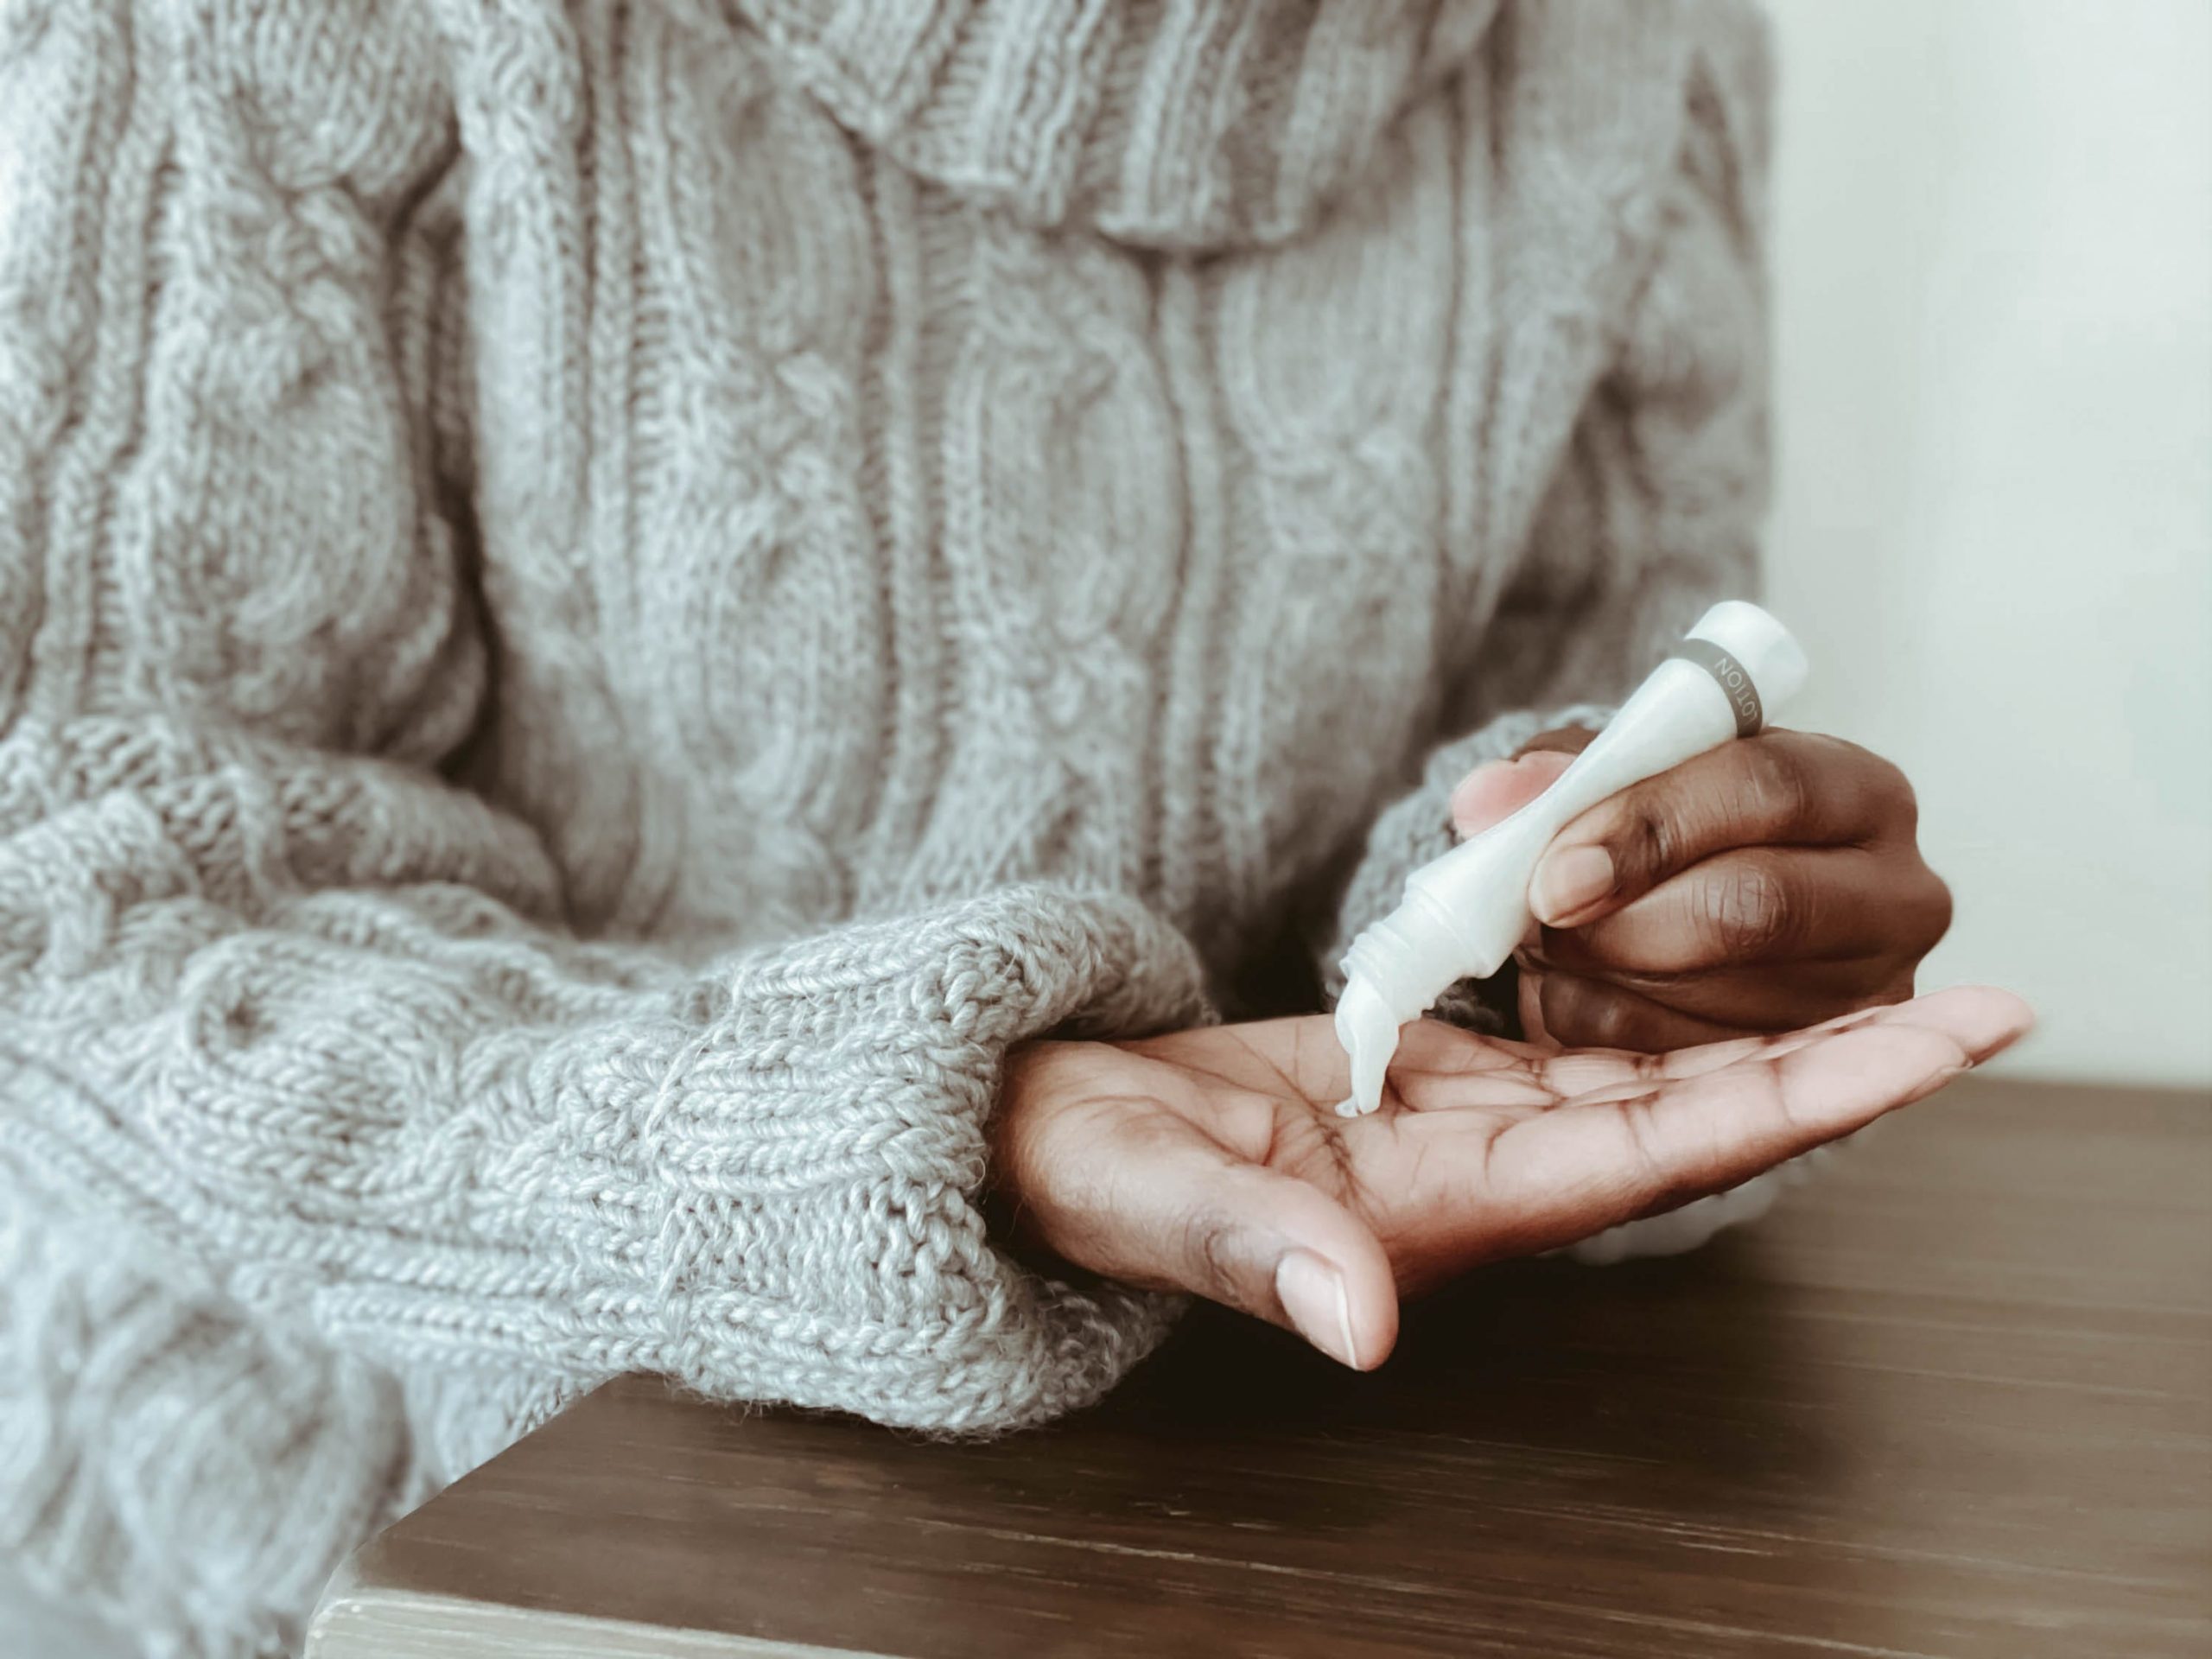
349 1620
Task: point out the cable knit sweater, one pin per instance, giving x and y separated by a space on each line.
602 603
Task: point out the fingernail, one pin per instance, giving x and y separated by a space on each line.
1312 1292
1471 786
1570 880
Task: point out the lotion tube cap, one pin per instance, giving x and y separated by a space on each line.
1767 650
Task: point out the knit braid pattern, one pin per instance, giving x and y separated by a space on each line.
603 602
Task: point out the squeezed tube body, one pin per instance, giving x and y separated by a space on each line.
1463 914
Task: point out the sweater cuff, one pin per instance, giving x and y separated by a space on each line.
774 1195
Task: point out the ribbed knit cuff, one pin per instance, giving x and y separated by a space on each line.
764 1184
771 1194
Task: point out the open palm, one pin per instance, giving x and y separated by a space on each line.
1214 1162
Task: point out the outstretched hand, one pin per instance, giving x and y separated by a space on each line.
1213 1160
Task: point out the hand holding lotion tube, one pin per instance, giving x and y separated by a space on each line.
1463 913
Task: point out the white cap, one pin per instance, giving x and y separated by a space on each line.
1770 655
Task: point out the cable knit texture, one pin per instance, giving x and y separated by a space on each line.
602 603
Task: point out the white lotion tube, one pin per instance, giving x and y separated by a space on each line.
1463 913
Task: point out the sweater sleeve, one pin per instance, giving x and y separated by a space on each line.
329 1158
1193 127
1655 510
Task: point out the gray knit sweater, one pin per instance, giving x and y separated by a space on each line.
602 603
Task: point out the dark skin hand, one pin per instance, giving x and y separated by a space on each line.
1213 1160
1716 999
1768 884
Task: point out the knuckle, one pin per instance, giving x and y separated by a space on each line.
1889 995
1889 777
1646 844
1745 909
1561 998
1210 1249
1914 915
1892 799
1903 802
1779 784
1936 912
1881 800
1584 1016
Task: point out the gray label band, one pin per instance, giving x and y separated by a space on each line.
1730 676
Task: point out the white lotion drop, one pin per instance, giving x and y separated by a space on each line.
1463 913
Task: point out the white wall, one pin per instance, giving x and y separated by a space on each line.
1994 521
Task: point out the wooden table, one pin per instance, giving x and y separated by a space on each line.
1955 1399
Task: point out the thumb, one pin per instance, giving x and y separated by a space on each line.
1496 789
1186 1213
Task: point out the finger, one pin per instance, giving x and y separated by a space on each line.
1558 739
1981 1019
1529 992
1712 1007
1439 1068
1595 1074
1614 1074
1763 904
1167 1206
1498 789
1451 1070
1495 790
1575 1011
1780 787
1591 1164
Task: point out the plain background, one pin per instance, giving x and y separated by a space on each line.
1993 525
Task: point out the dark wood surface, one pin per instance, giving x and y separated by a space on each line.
1954 1399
